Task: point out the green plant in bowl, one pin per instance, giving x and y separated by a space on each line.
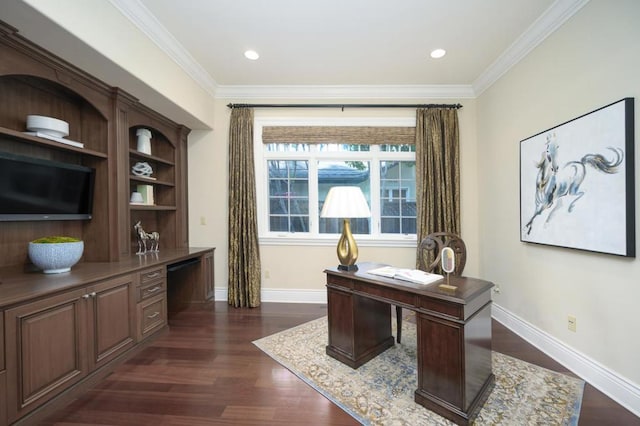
55 254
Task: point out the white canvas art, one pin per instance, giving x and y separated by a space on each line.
577 184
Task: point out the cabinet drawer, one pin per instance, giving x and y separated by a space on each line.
149 275
3 399
152 315
1 342
151 289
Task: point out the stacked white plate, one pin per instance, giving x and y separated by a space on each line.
47 125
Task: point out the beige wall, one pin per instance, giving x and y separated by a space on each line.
591 61
300 267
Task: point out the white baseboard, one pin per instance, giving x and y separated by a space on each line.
282 295
606 381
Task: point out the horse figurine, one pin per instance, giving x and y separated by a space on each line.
143 237
553 182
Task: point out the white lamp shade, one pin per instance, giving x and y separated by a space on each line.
345 202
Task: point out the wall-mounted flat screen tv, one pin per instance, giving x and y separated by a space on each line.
38 189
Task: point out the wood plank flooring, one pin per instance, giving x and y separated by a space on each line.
206 371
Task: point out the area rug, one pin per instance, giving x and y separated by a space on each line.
380 392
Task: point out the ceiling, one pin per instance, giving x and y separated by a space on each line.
347 42
329 49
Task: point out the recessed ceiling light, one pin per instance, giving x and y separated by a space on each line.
251 54
438 53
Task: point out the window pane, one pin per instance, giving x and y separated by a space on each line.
389 225
343 173
287 147
397 197
288 196
398 148
342 147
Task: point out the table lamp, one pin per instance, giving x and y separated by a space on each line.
345 202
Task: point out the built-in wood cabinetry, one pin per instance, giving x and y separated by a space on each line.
3 374
53 343
59 332
105 120
152 301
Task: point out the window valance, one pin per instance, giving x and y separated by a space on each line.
359 135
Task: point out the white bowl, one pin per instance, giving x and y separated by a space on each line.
54 258
49 125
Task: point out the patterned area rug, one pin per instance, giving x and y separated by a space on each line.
381 391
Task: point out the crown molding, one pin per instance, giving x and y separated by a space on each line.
346 92
146 22
556 15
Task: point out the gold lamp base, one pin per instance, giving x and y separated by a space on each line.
347 249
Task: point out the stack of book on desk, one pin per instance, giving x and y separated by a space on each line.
412 275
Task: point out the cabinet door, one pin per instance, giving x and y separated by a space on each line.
112 309
209 281
45 350
3 375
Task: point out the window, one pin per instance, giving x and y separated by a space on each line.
294 177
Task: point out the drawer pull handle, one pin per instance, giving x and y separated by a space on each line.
153 290
85 296
92 294
153 274
153 315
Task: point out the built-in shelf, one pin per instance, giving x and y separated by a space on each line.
35 140
149 181
144 156
151 207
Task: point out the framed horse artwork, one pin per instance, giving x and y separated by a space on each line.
577 183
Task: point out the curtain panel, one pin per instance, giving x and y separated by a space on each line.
244 251
438 163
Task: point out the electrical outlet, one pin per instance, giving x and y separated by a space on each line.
203 220
267 273
496 289
571 323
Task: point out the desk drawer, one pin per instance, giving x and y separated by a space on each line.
388 293
339 281
151 274
152 315
441 307
151 289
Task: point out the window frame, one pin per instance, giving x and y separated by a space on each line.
374 156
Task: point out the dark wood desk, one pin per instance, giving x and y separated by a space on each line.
453 331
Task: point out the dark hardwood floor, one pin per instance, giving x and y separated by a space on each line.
206 371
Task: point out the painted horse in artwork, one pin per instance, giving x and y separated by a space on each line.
147 241
554 182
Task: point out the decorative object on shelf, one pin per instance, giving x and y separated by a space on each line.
345 202
147 194
136 198
54 255
147 241
144 140
47 125
50 128
142 168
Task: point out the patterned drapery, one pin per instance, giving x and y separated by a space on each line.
437 171
244 251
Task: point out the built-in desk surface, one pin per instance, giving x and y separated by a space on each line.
19 283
